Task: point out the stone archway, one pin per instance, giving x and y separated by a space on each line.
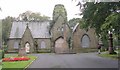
61 46
27 47
85 41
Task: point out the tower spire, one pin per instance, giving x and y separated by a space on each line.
27 25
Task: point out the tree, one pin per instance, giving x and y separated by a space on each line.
103 16
74 21
0 34
112 23
6 27
29 15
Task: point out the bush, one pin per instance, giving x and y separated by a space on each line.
3 53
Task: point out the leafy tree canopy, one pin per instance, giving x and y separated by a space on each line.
74 21
6 27
29 15
59 9
102 16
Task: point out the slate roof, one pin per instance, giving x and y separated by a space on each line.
38 29
75 27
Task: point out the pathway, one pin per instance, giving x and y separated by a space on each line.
83 60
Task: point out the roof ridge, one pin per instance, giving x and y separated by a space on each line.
75 27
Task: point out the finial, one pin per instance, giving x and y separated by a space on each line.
27 24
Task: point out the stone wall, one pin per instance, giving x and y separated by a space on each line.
94 40
47 42
60 29
11 43
56 29
77 38
77 35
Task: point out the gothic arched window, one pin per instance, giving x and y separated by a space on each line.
85 41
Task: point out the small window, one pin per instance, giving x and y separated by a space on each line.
16 45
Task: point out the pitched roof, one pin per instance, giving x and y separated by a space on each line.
38 29
54 21
75 27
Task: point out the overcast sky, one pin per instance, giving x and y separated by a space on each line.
45 7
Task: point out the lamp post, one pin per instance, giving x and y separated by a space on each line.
111 50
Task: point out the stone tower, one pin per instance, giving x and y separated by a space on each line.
60 30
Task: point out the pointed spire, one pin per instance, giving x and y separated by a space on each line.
27 25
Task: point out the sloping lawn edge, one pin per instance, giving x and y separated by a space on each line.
18 65
30 63
107 55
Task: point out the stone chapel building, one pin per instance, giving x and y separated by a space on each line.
83 39
53 36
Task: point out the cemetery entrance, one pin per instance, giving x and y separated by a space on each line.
61 46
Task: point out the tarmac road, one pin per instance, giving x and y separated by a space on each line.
81 60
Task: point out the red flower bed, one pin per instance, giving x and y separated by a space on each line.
16 59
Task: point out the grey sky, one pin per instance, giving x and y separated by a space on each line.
45 7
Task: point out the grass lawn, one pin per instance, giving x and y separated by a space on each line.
0 67
17 65
107 55
0 64
0 59
86 50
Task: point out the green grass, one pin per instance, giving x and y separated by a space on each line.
0 54
11 55
0 59
86 50
111 56
0 67
44 51
0 64
18 65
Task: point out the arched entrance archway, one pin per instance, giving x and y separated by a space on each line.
61 46
85 41
27 47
